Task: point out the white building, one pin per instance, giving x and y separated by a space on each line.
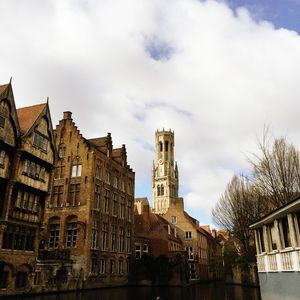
277 238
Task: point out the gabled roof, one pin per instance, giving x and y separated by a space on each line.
28 115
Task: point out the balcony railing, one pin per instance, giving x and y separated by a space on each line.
279 261
57 254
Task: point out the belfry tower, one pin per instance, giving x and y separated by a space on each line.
164 172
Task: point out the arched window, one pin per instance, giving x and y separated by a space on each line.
71 232
162 189
161 146
167 146
54 227
158 190
120 266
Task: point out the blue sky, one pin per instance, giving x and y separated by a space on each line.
282 13
213 72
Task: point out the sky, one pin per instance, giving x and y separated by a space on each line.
215 72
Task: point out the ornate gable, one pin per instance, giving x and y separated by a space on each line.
9 125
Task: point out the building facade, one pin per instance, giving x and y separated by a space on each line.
27 153
89 213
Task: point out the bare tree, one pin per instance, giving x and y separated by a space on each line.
276 171
238 207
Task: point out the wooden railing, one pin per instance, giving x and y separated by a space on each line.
280 261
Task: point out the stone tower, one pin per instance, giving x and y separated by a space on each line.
164 172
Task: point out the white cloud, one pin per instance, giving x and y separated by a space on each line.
220 76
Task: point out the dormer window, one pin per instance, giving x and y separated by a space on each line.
40 141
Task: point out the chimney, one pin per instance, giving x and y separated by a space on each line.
67 115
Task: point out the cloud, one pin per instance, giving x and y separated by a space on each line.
214 75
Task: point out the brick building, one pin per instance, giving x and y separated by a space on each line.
27 153
89 214
153 235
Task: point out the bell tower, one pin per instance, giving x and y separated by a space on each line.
164 172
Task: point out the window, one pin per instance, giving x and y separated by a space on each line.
167 146
33 170
98 172
97 197
71 233
59 171
40 141
128 243
116 182
127 265
18 237
102 266
4 279
173 219
122 208
158 190
113 238
129 210
130 188
54 227
121 239
120 266
74 194
76 170
93 266
138 251
107 179
193 271
106 201
104 236
57 195
188 235
160 146
114 209
123 185
162 190
94 244
62 151
21 279
112 266
145 249
2 157
27 201
190 252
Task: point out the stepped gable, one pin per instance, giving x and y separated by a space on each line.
103 144
28 116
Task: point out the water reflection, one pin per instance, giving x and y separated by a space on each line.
211 291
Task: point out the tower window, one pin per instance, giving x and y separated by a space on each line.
161 146
158 190
167 146
162 190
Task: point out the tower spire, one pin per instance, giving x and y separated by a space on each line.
164 179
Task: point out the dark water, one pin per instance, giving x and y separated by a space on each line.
211 291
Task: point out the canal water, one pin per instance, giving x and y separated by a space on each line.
210 291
